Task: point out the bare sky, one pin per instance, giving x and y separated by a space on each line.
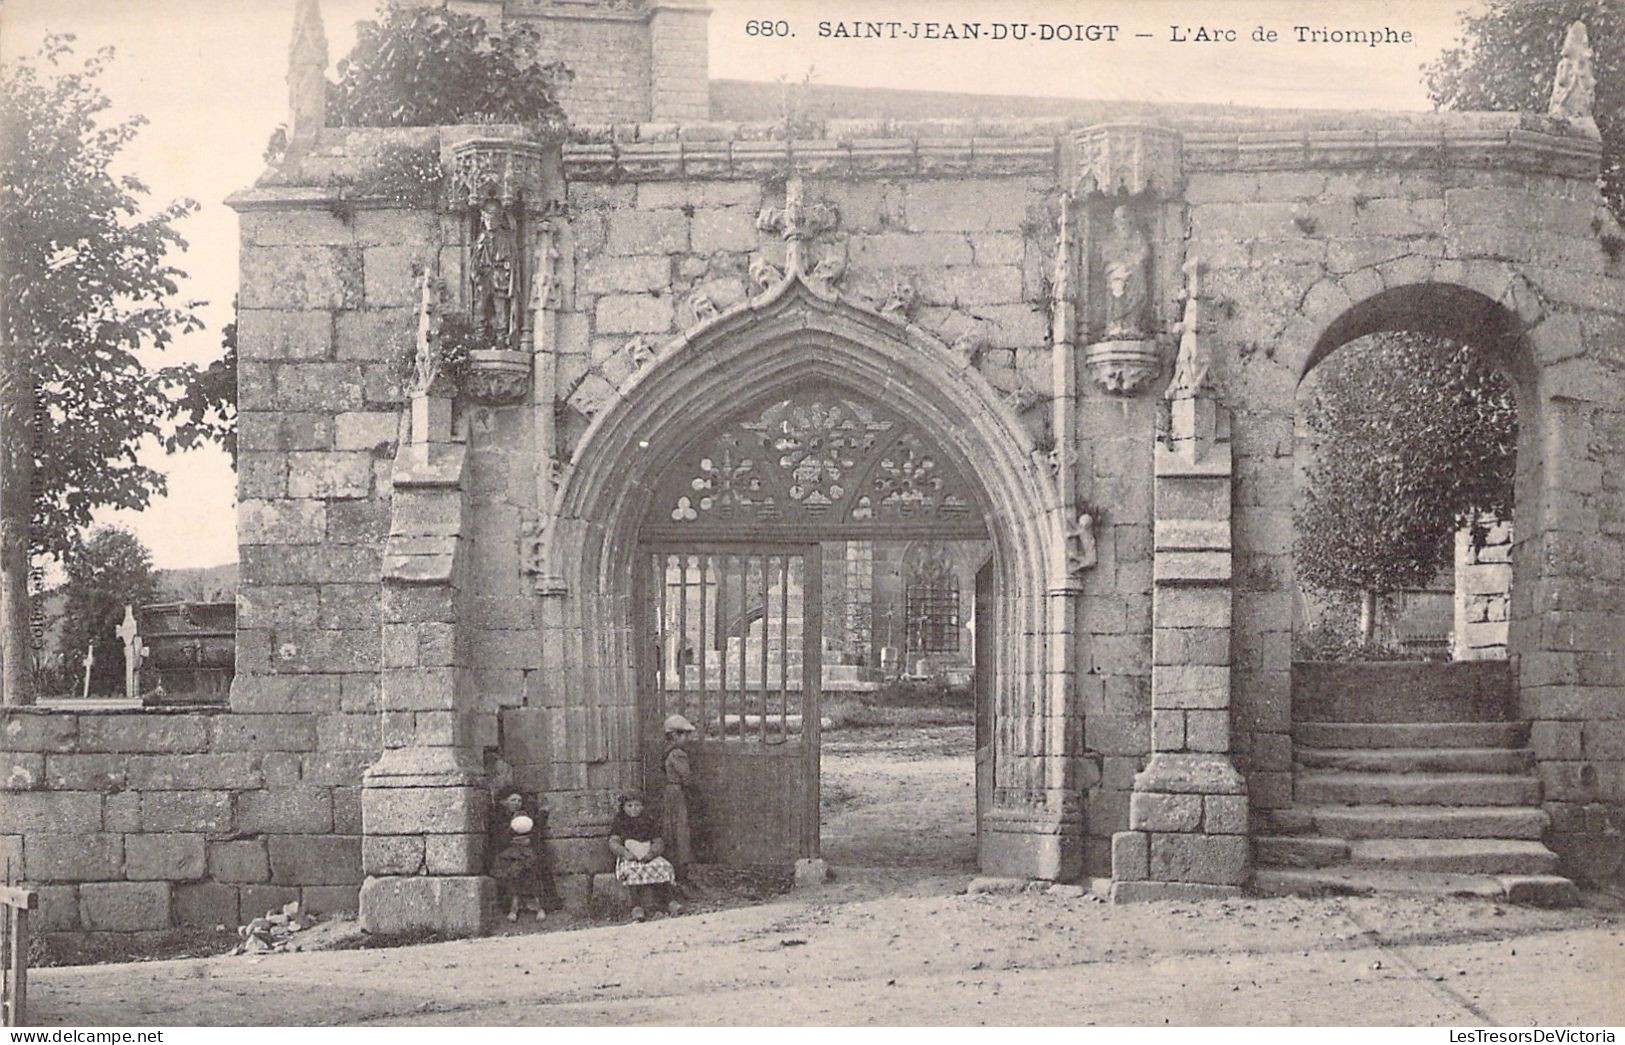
208 74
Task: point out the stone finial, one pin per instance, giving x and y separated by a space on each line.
1194 364
426 355
798 222
1574 87
307 74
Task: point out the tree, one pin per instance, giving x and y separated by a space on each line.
206 404
87 286
1508 55
106 571
1415 437
426 66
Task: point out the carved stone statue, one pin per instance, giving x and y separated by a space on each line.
901 303
1081 552
1193 366
1125 256
426 357
492 273
1574 87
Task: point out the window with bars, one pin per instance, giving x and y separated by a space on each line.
933 617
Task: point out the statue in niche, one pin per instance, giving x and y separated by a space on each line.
1575 86
1124 257
495 243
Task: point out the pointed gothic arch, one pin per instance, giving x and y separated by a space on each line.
798 333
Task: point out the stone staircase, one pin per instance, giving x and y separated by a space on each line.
1428 788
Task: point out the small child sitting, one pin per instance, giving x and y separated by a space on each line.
635 840
517 870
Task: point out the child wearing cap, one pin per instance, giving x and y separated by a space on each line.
674 798
634 838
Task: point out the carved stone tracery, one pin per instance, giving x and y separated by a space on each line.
816 457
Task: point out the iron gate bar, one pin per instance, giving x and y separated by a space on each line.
766 630
784 657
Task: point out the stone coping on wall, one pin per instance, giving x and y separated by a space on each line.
108 707
335 169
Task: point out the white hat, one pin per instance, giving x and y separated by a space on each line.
679 724
521 824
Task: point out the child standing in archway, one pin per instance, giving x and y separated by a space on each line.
674 799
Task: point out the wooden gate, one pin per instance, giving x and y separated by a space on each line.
732 642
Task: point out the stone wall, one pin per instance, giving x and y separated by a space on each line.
629 61
1483 576
1310 237
143 821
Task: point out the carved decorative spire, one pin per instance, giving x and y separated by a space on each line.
1574 87
307 73
1193 367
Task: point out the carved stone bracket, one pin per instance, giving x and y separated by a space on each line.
1124 368
497 377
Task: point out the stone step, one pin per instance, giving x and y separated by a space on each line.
1496 856
1299 851
1410 734
1417 760
1401 821
1345 880
1338 787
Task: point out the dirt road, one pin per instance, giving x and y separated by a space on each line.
880 952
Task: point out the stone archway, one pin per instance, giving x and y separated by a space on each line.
1498 329
794 333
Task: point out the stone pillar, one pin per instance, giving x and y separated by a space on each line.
1188 811
423 803
679 69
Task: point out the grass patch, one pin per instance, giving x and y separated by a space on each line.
51 950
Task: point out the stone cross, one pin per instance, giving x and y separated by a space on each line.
90 659
135 651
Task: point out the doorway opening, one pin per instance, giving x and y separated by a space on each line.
817 593
903 699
